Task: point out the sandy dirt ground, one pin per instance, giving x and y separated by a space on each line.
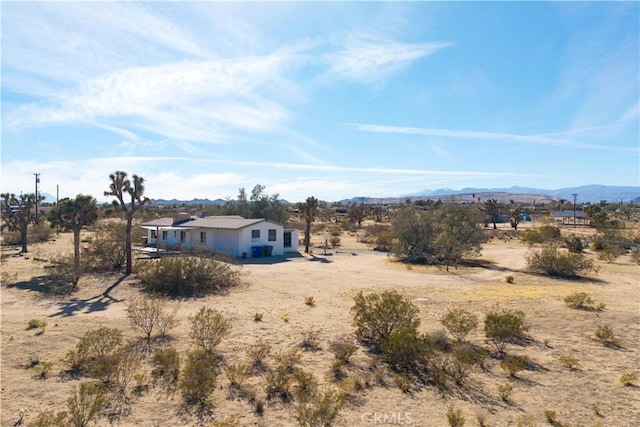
278 289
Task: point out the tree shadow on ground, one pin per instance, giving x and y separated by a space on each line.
89 305
47 286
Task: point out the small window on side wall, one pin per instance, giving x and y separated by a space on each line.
272 235
255 235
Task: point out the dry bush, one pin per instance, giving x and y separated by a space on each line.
279 383
505 390
552 262
628 378
230 421
257 352
320 411
86 403
378 315
310 340
36 324
186 276
609 253
208 328
455 417
343 348
569 361
605 335
95 353
310 301
198 379
513 364
166 363
50 419
544 234
66 271
306 385
459 323
148 314
504 327
128 360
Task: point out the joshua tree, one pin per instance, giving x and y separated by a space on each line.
74 214
16 214
308 210
515 217
493 210
120 186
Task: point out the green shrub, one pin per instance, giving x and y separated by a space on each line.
609 253
237 373
544 234
581 300
513 364
334 241
459 323
36 324
186 276
510 279
257 352
504 327
404 350
40 232
550 261
378 315
574 245
455 417
166 365
66 271
95 353
50 419
208 328
279 383
199 377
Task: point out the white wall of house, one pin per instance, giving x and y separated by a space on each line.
248 239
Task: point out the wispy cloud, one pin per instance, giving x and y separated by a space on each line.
550 139
368 60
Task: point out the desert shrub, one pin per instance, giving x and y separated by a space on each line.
605 334
288 360
306 385
166 365
403 381
504 327
579 300
237 373
95 353
464 357
257 317
574 244
550 261
86 403
49 419
230 421
343 348
455 417
186 276
403 350
198 379
379 236
321 410
148 314
39 232
208 328
107 248
36 324
310 340
43 370
438 340
505 390
513 364
609 253
66 271
334 241
459 323
481 417
257 352
129 359
510 279
310 301
279 383
635 255
628 378
569 361
550 416
544 234
378 315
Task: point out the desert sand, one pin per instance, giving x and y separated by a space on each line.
278 288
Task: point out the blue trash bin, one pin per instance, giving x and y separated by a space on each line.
256 251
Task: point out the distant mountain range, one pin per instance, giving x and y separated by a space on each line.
585 194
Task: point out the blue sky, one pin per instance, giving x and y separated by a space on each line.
331 99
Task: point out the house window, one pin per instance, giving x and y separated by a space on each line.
255 235
272 235
183 236
165 235
153 234
203 237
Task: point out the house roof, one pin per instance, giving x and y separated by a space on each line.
232 222
567 214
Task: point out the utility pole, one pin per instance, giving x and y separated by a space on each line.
574 209
37 175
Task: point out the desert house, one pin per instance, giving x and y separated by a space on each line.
234 235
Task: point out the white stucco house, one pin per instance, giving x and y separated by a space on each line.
234 235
